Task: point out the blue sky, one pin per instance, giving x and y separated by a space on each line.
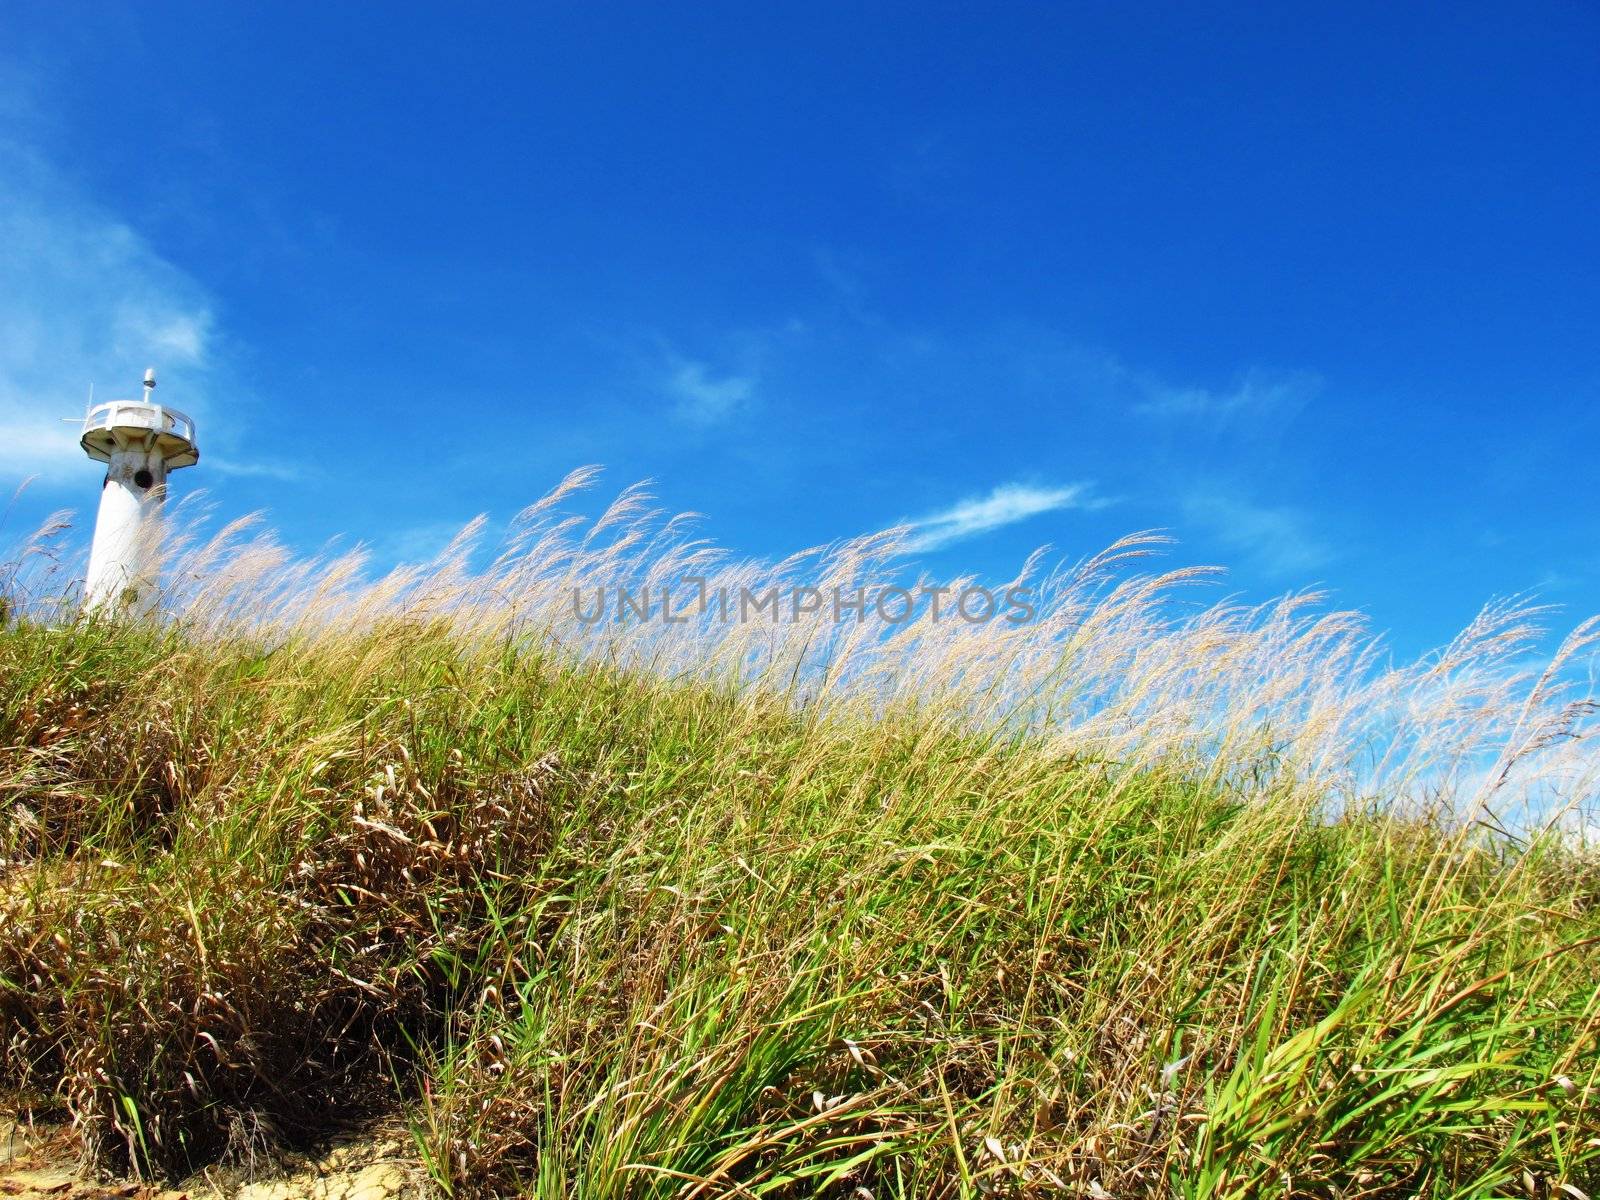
1316 288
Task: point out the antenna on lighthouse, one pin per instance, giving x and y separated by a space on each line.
140 442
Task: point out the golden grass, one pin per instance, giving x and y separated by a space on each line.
1145 897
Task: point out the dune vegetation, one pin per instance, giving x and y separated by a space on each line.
1152 895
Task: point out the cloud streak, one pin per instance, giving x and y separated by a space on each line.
1258 392
280 472
704 398
1278 541
86 300
1007 504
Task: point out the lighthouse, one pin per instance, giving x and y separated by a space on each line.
140 441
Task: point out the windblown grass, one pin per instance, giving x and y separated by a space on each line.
1143 898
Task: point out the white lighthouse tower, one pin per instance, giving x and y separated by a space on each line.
140 441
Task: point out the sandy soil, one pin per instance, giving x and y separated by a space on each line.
40 1163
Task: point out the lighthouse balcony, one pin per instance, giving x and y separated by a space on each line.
134 425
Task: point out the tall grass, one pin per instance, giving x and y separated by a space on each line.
1146 897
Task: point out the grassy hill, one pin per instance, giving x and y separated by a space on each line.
626 924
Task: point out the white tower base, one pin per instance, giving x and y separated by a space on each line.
123 559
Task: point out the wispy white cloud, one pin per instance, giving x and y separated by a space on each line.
704 398
417 543
1278 541
1005 505
37 448
426 540
1257 392
267 469
844 279
85 300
